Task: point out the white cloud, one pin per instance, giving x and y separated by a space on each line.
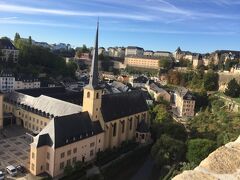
7 18
33 10
130 30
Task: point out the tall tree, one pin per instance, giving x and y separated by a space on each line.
16 38
233 89
210 81
30 40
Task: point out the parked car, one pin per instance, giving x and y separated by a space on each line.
1 175
11 170
21 169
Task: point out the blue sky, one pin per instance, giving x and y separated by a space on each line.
195 25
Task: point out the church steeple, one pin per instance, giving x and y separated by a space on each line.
92 94
93 81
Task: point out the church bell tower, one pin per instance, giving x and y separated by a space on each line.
92 94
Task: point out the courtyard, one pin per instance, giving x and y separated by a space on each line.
14 147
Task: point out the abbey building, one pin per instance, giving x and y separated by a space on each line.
68 132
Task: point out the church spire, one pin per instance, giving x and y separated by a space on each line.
93 82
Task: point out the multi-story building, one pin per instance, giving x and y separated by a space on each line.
8 51
185 103
162 54
74 133
101 50
142 62
197 61
134 51
111 51
118 52
148 53
26 83
7 81
157 92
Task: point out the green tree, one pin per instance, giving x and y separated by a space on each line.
233 89
172 129
30 40
199 149
16 38
81 50
168 150
165 63
210 81
201 100
160 114
217 104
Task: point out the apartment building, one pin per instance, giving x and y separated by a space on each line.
7 81
26 83
157 92
134 51
148 53
162 54
142 62
185 103
8 51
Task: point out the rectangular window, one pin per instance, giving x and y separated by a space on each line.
32 166
91 153
47 166
130 124
68 162
48 155
69 152
74 150
74 160
33 155
114 129
123 126
62 155
61 165
92 144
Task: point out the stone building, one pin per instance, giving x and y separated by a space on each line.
9 51
185 103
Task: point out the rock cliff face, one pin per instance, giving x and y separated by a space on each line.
222 164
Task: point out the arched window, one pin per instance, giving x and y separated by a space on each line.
114 129
88 94
97 95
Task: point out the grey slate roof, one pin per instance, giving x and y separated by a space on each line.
134 47
115 106
67 129
93 81
56 92
44 103
185 94
7 44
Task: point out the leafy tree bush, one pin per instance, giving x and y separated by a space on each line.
168 150
199 149
233 89
210 81
40 60
172 129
